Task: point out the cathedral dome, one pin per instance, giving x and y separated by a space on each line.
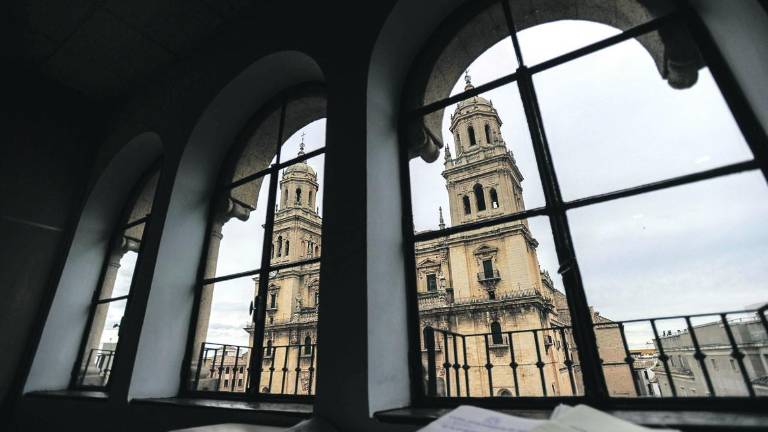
301 167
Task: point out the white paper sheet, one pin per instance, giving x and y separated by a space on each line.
472 419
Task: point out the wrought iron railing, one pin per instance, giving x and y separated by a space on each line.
535 362
285 369
545 361
97 367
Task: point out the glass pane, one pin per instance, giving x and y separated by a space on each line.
547 41
101 344
298 219
697 248
487 168
237 236
512 314
309 138
484 41
224 333
124 274
290 335
612 122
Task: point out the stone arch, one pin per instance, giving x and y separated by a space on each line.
473 27
228 127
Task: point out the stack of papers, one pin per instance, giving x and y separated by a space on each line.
580 418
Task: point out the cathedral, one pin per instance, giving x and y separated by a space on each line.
486 282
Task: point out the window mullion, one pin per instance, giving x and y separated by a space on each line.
594 381
259 314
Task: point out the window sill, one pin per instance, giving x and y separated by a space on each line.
687 420
291 409
70 394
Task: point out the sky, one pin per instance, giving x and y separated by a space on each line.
612 122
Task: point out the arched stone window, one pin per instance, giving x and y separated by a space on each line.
496 336
266 167
494 198
487 133
98 348
479 196
309 199
308 345
268 350
467 205
471 133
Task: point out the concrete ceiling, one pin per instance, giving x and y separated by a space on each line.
103 47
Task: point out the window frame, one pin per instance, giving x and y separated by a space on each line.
123 225
595 391
259 310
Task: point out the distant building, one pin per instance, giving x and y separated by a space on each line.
686 373
224 370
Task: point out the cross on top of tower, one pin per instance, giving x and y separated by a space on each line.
467 80
301 144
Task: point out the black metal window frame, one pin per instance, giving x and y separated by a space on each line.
595 389
76 381
259 306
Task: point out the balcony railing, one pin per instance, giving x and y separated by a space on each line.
491 276
285 369
544 362
511 363
97 367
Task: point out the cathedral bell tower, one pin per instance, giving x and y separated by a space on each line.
483 180
297 222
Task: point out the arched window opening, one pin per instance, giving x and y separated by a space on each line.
496 333
307 345
98 348
251 172
479 197
317 298
317 250
435 81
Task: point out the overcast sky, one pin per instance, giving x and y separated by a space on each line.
612 122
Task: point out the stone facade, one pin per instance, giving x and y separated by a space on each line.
293 294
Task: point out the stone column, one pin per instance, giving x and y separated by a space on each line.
233 209
107 286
